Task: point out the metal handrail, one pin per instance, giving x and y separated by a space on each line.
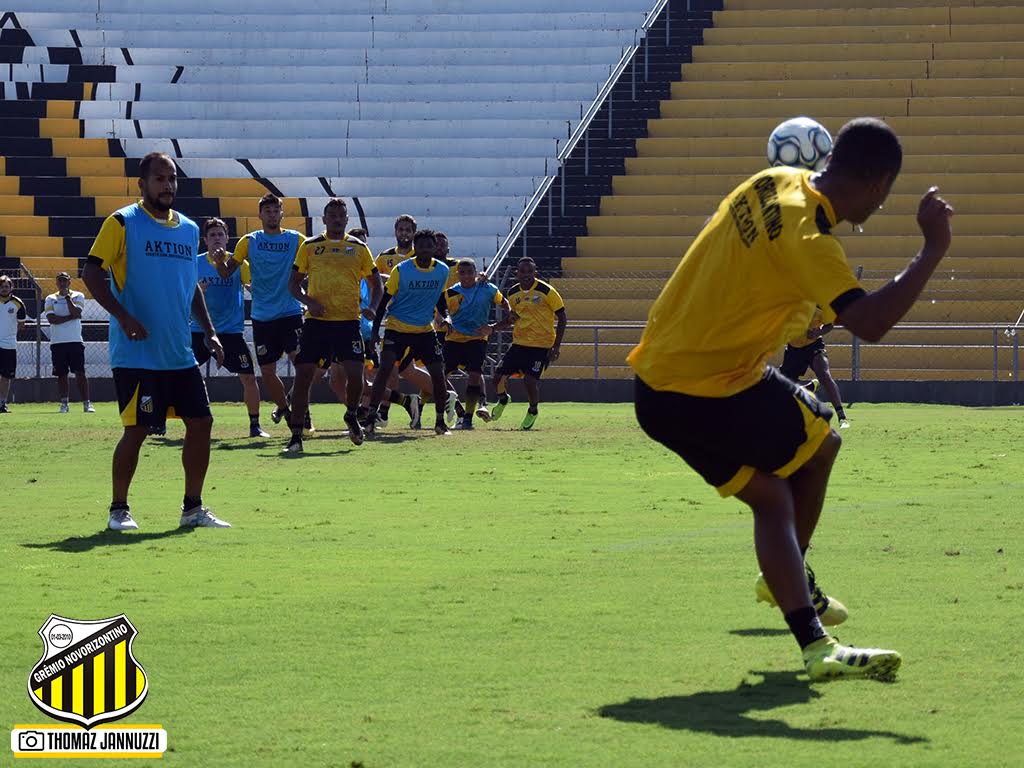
574 139
855 344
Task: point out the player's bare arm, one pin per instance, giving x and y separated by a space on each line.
296 288
202 314
871 316
95 278
562 320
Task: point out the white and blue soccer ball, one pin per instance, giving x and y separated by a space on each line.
799 143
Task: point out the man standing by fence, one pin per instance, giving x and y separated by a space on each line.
12 318
63 311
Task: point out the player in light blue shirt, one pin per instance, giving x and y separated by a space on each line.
414 292
149 251
276 314
223 289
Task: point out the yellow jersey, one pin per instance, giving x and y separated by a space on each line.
389 259
749 283
335 268
801 340
535 308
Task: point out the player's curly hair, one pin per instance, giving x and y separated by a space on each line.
214 222
407 218
866 148
424 234
270 199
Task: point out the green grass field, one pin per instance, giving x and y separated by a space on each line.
574 596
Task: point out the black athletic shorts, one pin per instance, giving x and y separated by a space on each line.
146 397
413 346
8 363
774 426
796 360
529 361
330 341
237 355
274 338
68 357
468 355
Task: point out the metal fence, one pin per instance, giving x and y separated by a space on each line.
951 334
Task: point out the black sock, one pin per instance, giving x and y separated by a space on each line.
362 412
254 419
116 506
397 398
805 626
384 408
841 414
296 431
532 409
503 398
191 502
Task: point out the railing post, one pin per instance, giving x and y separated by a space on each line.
668 24
597 366
551 214
632 76
1016 357
586 153
562 191
611 104
39 333
855 359
647 60
995 354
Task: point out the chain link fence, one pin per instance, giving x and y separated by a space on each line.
963 328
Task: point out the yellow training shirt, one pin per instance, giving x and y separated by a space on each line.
535 308
387 260
801 340
749 282
335 269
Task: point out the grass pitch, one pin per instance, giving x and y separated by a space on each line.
573 596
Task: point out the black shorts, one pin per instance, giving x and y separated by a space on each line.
146 397
237 355
413 346
529 361
274 338
68 357
774 426
468 355
796 360
8 363
330 341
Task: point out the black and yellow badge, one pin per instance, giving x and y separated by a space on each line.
88 674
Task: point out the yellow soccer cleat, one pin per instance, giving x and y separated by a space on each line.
826 659
830 611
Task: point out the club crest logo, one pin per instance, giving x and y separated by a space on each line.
88 674
146 404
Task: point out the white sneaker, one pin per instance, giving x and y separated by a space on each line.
201 517
121 520
87 407
64 408
449 409
844 424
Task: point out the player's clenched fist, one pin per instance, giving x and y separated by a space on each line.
934 218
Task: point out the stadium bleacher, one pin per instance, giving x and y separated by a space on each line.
948 76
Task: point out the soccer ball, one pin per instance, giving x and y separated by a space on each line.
799 143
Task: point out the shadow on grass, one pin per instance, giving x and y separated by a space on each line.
759 632
726 713
106 538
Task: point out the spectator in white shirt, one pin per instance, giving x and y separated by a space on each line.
12 318
63 311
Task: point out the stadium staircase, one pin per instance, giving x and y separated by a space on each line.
448 111
948 75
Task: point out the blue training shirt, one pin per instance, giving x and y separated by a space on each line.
224 298
155 283
415 292
474 306
270 260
